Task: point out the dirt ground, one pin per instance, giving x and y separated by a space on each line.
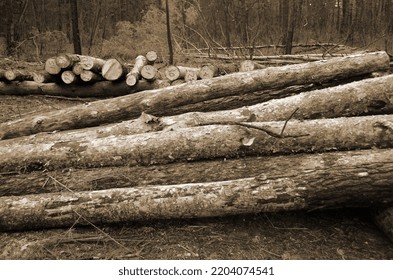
333 234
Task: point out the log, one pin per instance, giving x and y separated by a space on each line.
149 73
69 77
16 183
134 75
67 61
160 102
90 76
77 68
51 66
173 73
383 217
177 82
318 182
365 97
249 65
221 140
191 75
103 89
113 70
43 77
151 57
92 63
208 72
17 75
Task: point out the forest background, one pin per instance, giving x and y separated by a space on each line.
34 30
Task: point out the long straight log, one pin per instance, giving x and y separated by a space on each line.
161 101
101 89
49 152
315 182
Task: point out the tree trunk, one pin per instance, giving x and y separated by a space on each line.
17 75
222 140
208 72
314 182
160 102
75 27
168 32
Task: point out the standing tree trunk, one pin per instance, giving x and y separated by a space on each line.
75 27
168 32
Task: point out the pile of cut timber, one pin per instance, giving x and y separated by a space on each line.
169 153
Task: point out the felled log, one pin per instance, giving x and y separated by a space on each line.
191 75
134 75
113 70
51 66
43 77
149 73
249 65
173 73
69 77
161 101
90 76
151 57
208 71
92 63
221 140
365 97
77 68
101 89
17 75
319 181
66 61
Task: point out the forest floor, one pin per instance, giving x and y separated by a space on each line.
330 234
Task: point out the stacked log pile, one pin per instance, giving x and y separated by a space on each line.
187 151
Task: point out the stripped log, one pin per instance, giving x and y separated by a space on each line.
90 76
51 66
221 140
113 70
313 182
161 101
17 75
134 75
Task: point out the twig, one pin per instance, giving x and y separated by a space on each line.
290 117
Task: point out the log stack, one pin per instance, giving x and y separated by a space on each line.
188 151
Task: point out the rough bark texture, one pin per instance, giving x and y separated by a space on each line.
99 89
161 101
322 181
49 152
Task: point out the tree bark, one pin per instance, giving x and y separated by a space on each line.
315 182
160 102
101 89
222 140
366 97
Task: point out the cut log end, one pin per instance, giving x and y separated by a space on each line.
208 72
89 76
148 72
68 77
151 57
113 70
131 80
172 73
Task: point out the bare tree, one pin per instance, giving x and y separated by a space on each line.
168 32
75 27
